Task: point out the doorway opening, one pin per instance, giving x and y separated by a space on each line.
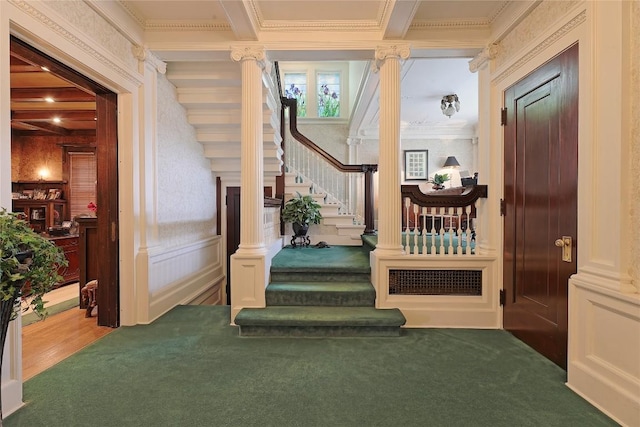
56 111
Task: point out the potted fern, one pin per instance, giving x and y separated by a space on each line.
301 212
29 266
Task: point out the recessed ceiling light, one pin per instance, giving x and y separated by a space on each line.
49 99
56 120
43 68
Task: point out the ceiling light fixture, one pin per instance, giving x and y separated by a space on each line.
43 68
450 105
56 120
49 99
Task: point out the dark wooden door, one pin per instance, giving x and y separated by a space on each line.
233 231
541 186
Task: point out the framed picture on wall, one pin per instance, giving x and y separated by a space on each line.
415 165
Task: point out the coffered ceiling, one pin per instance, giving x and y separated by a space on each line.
43 102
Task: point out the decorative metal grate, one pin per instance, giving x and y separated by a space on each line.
435 282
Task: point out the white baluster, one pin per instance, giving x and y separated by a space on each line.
424 231
407 202
468 231
450 248
432 215
415 228
458 212
441 211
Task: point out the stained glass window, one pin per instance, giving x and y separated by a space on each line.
328 94
295 87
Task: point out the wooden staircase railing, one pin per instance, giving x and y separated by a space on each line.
440 222
367 169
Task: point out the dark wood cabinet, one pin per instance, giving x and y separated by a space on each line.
69 244
41 214
88 249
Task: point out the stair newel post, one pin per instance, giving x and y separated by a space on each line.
368 198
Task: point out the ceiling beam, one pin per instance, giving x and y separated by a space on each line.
58 95
47 127
243 22
398 20
47 115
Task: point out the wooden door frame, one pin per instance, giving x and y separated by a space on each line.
107 186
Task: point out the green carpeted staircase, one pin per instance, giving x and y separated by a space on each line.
320 292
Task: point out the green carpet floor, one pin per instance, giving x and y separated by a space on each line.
189 368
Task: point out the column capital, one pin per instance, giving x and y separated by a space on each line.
242 53
487 54
397 51
143 54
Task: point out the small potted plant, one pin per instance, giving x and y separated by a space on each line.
439 180
29 266
301 212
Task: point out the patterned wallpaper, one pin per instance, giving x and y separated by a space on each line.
186 186
331 137
635 142
94 26
31 154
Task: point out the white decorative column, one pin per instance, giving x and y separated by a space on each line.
248 265
389 61
488 220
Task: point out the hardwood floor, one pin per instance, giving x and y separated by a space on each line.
47 342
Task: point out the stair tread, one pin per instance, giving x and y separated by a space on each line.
320 316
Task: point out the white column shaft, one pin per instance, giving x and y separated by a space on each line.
251 174
389 207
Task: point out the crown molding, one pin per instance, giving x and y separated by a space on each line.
574 23
67 31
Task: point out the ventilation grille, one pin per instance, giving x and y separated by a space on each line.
435 282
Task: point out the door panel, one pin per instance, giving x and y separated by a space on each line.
541 153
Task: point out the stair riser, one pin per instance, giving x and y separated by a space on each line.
309 276
325 299
319 331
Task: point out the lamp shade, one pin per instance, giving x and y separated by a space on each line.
451 162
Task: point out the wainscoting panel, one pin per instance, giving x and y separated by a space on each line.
184 274
603 366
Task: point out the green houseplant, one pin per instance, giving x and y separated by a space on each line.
301 211
29 269
439 180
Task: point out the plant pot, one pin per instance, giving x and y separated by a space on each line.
300 229
438 186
